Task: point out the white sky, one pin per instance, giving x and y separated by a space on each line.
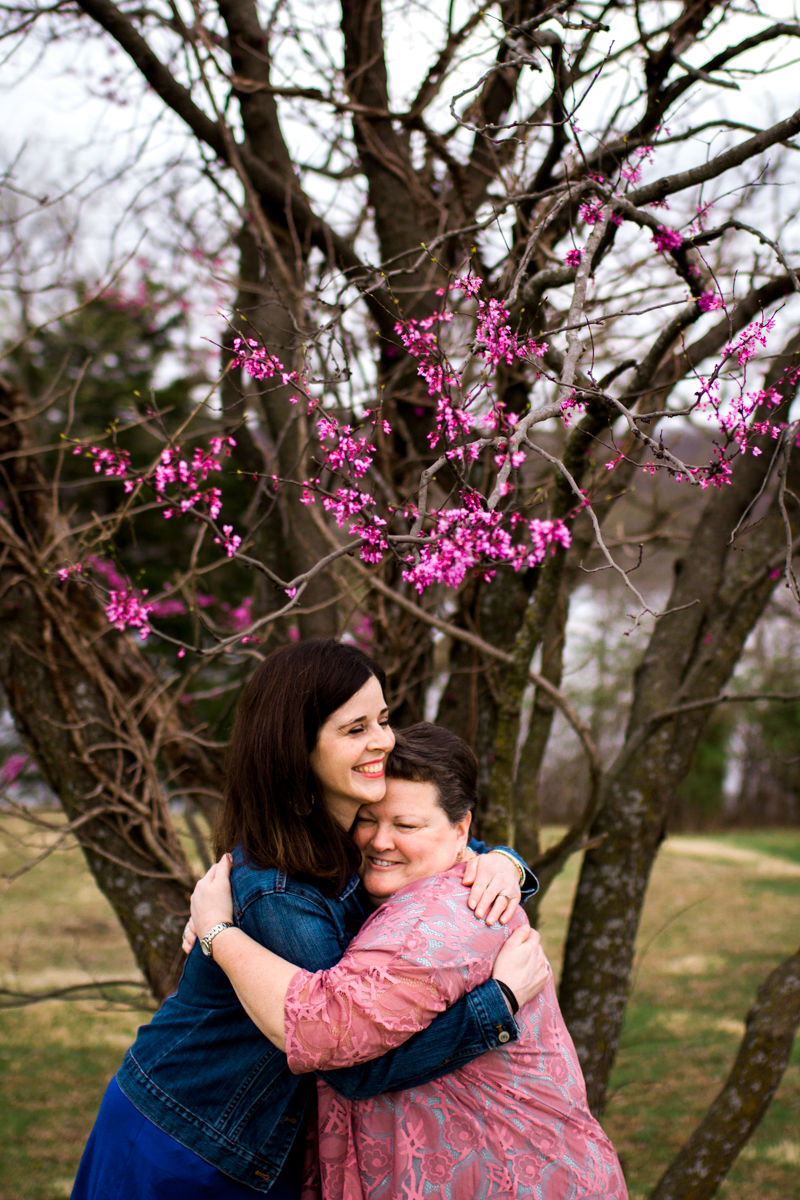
67 132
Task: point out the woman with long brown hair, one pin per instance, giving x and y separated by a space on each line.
204 1107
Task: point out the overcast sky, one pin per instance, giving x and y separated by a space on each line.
69 133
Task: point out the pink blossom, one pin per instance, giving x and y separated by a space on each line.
112 462
362 631
591 211
497 341
229 540
472 537
570 405
632 171
699 223
126 608
107 571
65 572
240 617
171 606
422 343
349 453
213 498
573 257
749 340
494 341
666 238
165 472
12 768
374 543
345 504
709 301
469 284
256 361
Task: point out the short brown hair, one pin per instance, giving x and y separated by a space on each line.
427 753
273 808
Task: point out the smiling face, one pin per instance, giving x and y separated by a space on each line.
349 759
406 836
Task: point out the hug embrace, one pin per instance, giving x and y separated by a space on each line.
365 1013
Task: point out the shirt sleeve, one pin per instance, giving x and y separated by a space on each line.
478 1022
420 952
301 931
530 884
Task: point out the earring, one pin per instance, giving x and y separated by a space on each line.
305 812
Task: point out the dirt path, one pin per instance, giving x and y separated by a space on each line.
752 860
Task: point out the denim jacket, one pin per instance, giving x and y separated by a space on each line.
203 1072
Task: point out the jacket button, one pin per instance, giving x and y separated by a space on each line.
503 1037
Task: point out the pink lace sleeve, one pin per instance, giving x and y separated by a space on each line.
416 955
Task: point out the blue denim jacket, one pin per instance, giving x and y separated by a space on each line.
203 1072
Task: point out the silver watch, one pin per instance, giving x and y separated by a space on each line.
205 943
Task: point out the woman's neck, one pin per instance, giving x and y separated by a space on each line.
343 810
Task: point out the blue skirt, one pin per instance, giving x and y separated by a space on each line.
127 1157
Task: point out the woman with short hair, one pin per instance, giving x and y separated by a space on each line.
514 1122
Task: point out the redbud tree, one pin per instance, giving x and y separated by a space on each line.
501 309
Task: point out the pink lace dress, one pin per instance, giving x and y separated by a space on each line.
512 1123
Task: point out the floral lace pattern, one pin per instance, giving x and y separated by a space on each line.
511 1124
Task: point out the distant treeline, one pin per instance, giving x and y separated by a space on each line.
745 772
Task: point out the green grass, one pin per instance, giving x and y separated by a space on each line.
711 931
780 843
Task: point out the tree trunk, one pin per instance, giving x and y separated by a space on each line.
703 1163
118 813
87 704
719 593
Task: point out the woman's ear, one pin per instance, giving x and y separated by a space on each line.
463 827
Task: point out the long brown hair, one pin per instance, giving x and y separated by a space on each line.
273 807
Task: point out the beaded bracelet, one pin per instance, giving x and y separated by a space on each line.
511 858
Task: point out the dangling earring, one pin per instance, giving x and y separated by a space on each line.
305 812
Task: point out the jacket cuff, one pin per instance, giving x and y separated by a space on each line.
530 884
497 1025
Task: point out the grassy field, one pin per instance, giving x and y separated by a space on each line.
721 911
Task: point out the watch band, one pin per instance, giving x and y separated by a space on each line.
513 1002
205 943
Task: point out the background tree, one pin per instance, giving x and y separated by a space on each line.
545 275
